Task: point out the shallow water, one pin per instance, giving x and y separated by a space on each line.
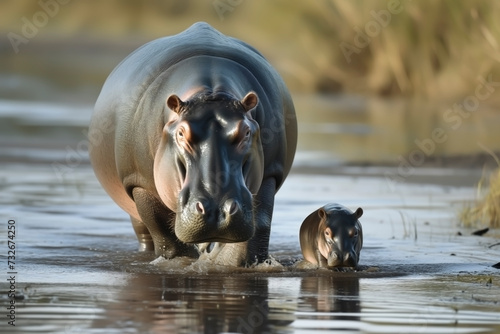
78 271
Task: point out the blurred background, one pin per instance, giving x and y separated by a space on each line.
370 79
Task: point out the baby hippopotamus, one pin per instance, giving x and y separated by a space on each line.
332 236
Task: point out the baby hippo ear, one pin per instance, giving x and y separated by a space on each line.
322 213
250 101
358 213
175 103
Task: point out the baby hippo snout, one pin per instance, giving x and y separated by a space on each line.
339 259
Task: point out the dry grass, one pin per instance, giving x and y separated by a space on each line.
431 49
486 210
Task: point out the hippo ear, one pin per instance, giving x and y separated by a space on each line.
250 101
322 213
175 103
358 213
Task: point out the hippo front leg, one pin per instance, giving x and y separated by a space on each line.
258 246
322 262
158 220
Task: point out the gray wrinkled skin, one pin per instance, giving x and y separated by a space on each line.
193 135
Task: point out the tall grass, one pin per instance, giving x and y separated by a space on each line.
432 48
435 49
486 210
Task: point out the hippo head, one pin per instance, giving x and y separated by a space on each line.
342 236
208 166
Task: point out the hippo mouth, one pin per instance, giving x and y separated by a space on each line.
197 238
337 259
227 225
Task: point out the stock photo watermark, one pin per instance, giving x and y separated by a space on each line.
30 26
453 118
372 28
222 7
11 272
75 157
254 319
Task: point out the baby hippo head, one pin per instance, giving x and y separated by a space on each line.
340 236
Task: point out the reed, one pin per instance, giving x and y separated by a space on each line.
433 49
485 211
427 48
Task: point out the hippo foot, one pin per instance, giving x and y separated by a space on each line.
175 250
145 241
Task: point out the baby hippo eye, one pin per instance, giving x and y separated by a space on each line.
181 136
353 233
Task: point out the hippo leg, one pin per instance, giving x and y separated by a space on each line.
322 262
143 235
258 246
158 220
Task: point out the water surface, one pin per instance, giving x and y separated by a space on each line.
78 269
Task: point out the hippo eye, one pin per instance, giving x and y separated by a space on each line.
242 137
183 134
246 134
353 233
184 138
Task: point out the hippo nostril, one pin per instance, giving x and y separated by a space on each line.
199 208
231 207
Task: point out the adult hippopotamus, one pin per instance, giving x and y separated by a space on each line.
332 236
193 135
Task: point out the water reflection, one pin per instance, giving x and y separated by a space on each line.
332 295
245 303
203 304
312 301
80 272
373 130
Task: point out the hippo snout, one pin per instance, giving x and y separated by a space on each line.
202 220
339 259
229 209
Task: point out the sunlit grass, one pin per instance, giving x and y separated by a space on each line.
434 49
426 48
486 210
